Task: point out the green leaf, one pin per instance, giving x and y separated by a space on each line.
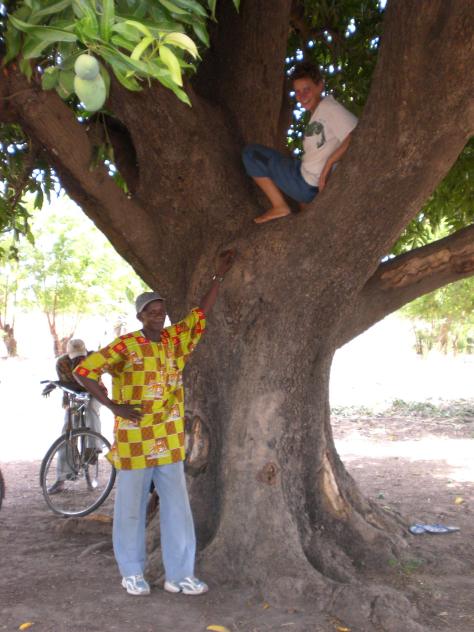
107 19
140 27
163 21
34 46
127 81
54 8
121 42
141 47
50 77
181 40
106 77
66 81
25 68
201 31
87 29
84 9
171 61
181 94
39 199
13 44
121 66
47 33
173 8
128 32
212 8
192 6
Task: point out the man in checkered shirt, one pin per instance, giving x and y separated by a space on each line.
148 404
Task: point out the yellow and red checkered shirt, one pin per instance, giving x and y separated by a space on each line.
148 374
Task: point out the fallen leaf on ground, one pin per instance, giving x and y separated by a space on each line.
341 628
458 500
217 628
265 605
26 625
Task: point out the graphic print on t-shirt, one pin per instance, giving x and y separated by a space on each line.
315 128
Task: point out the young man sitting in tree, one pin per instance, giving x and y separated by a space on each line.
326 139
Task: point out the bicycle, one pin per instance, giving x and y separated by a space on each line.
80 450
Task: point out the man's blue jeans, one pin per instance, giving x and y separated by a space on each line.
178 540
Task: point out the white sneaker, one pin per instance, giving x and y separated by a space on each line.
136 585
188 586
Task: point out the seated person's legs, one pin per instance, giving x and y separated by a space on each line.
258 162
274 173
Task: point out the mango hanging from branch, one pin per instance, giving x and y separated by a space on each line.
86 67
91 93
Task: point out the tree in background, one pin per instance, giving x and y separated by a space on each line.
274 505
59 276
9 275
70 272
444 319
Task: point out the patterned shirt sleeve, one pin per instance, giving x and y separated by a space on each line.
187 332
64 369
110 359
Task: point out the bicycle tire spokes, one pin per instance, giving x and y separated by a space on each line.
79 459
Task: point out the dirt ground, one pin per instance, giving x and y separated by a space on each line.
60 574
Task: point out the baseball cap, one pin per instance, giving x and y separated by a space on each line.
76 348
147 297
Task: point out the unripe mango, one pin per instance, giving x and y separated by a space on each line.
86 67
92 94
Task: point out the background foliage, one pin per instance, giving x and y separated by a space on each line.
71 270
444 320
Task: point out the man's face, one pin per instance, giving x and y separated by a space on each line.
153 315
308 93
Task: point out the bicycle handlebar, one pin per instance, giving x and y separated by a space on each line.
68 388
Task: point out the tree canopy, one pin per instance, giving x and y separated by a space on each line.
143 41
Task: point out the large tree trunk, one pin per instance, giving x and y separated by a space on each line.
273 502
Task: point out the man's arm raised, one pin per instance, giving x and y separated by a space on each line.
224 264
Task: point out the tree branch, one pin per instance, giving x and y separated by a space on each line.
53 126
244 70
408 276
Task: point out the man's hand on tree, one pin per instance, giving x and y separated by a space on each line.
127 411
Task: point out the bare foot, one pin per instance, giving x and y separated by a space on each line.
273 213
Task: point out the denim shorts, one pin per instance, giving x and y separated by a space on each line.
263 162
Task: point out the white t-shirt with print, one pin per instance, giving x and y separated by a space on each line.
327 128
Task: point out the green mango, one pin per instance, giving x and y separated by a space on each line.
86 67
91 93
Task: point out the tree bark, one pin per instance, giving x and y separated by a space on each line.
400 280
273 503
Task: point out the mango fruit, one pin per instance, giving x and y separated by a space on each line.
86 67
91 93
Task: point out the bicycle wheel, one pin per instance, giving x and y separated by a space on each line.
89 476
